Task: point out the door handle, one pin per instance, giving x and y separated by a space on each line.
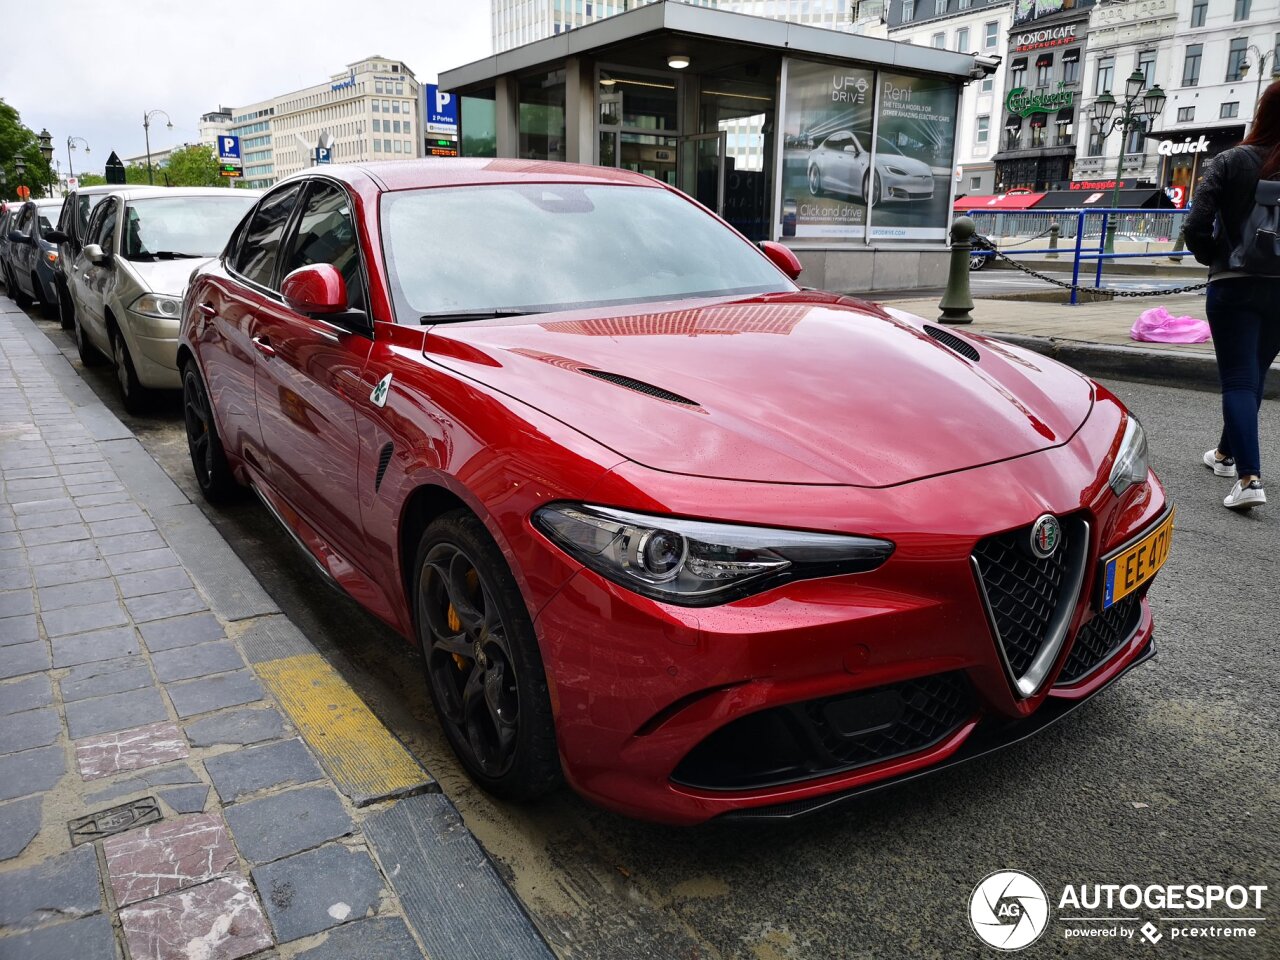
264 347
207 309
86 277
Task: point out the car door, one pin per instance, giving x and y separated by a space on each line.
90 279
839 161
20 257
308 369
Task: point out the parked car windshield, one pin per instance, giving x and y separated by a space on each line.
159 228
530 248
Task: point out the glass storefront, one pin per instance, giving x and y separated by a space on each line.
542 126
478 123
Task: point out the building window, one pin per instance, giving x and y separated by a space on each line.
965 4
1071 66
908 10
1018 72
386 146
1095 142
542 116
395 106
962 40
1186 114
1242 10
1102 79
400 89
1037 136
939 41
1044 69
939 7
1191 65
1147 66
375 106
377 146
988 84
984 129
1135 138
1199 10
1235 59
377 125
992 36
1229 110
377 86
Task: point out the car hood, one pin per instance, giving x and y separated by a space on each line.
909 164
166 276
800 388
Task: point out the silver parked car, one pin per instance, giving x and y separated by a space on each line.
128 279
841 164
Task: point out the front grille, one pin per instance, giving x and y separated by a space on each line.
1023 591
817 738
1100 638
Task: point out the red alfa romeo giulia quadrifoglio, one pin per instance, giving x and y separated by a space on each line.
664 524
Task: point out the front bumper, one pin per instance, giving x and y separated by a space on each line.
155 350
668 713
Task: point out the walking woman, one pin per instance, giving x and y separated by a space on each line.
1244 308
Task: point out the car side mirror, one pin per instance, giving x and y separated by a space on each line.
96 255
317 289
56 236
781 257
17 236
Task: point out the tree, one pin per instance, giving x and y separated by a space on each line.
191 166
17 140
91 180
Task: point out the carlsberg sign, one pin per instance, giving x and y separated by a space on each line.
1167 148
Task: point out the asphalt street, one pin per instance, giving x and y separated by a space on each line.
1170 776
992 282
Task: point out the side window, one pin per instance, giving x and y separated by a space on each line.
327 234
64 215
24 219
103 228
260 243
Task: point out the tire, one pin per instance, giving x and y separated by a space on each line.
66 309
976 263
484 669
208 459
136 397
871 188
89 354
16 294
815 181
48 310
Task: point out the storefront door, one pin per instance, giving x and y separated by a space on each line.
701 171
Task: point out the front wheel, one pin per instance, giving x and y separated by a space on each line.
484 669
48 305
815 181
135 396
208 460
89 354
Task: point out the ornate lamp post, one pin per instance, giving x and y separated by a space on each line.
1261 59
1136 110
20 168
146 131
71 145
46 151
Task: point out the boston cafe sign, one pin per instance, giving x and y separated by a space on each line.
1024 103
1048 37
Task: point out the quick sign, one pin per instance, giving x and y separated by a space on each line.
1167 148
1024 103
228 148
442 111
1048 37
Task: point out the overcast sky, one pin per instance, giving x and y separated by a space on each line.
92 69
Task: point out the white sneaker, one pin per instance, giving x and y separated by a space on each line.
1246 498
1225 467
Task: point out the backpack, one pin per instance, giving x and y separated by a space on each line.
1258 249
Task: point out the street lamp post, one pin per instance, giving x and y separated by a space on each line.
71 145
1262 59
146 131
20 168
46 151
1136 110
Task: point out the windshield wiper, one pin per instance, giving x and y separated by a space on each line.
483 313
174 255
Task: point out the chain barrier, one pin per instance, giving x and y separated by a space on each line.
1109 291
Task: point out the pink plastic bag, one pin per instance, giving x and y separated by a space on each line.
1158 325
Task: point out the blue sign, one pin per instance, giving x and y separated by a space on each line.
228 147
442 111
324 155
344 84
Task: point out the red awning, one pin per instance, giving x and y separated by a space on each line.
1001 201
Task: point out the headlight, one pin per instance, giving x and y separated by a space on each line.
696 563
1131 462
158 305
896 170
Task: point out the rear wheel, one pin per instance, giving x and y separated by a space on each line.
136 397
16 294
213 473
66 309
484 669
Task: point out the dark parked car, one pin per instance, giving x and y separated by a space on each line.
32 256
8 217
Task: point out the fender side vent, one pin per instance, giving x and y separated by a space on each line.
648 389
949 339
384 458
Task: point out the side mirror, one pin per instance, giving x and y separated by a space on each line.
17 236
56 236
781 257
315 290
96 255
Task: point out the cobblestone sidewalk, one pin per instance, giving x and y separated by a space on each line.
165 790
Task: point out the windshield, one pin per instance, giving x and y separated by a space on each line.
168 227
529 248
888 146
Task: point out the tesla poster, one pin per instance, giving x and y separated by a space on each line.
838 179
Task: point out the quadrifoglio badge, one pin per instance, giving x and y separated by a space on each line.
1010 910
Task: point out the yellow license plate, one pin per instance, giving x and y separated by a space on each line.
1135 565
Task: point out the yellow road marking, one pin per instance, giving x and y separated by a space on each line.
360 754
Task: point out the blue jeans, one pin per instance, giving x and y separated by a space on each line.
1244 315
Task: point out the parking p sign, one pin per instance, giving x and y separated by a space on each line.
442 111
228 148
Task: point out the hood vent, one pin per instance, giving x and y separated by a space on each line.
384 458
640 387
949 339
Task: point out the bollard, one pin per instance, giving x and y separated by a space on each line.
1054 230
1179 244
1111 236
957 302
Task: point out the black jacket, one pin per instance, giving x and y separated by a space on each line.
1227 192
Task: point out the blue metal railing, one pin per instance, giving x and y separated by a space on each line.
1156 226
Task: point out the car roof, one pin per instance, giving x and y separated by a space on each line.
198 192
116 188
472 171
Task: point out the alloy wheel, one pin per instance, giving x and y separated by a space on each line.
195 411
815 181
469 658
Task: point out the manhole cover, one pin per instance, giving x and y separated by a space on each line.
114 820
